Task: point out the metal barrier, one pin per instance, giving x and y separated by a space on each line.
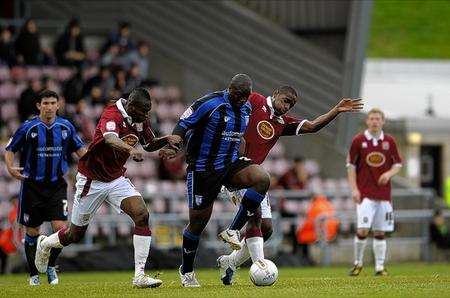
167 227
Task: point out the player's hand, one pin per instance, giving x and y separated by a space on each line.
167 153
384 179
356 196
174 141
350 105
137 155
16 173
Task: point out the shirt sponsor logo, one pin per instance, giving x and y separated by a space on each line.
375 159
265 130
111 125
385 145
130 139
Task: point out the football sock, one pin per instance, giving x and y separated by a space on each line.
190 245
142 239
54 253
360 245
238 257
379 251
30 252
54 240
255 248
250 203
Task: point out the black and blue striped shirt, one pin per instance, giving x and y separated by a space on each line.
215 128
45 148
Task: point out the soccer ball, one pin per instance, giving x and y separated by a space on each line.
263 273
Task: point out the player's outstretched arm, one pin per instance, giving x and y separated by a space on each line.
173 141
345 105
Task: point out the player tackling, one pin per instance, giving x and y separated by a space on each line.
372 161
101 178
268 122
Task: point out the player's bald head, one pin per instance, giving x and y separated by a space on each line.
241 82
240 88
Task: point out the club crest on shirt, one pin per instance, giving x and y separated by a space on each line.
375 159
265 130
364 144
33 135
64 134
385 145
130 139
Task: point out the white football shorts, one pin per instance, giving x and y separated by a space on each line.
90 194
376 215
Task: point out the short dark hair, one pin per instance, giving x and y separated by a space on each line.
140 95
287 90
47 93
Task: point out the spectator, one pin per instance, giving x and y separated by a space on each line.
320 223
73 89
27 45
7 55
439 232
95 97
103 79
27 101
296 177
69 49
121 37
134 78
120 75
139 57
111 57
11 236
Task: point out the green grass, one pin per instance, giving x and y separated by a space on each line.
406 280
410 29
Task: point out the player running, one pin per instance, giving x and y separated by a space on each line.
45 144
372 161
268 123
212 128
101 178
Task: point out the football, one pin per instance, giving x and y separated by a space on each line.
263 273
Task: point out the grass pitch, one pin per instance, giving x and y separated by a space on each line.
406 280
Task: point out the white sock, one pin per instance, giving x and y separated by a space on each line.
255 248
141 250
52 241
360 245
238 257
379 250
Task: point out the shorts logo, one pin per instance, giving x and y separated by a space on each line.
111 125
130 139
385 145
375 159
198 200
365 219
64 134
26 217
265 130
